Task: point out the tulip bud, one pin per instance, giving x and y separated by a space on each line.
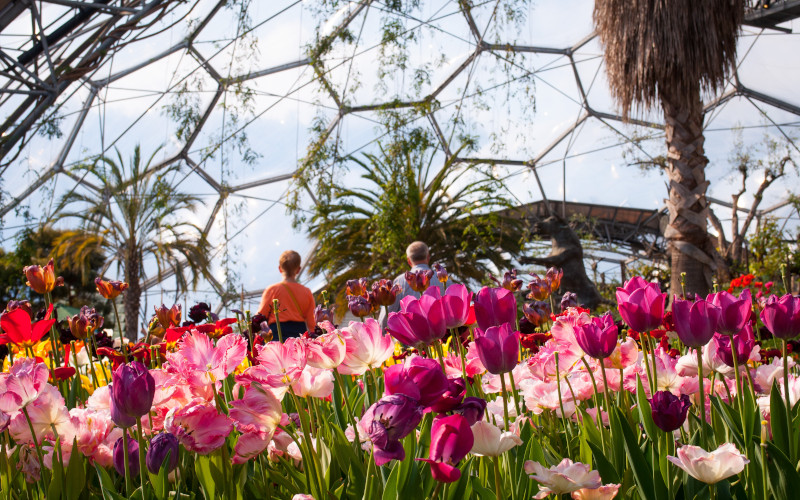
359 305
782 316
169 317
536 312
641 304
669 411
695 321
199 312
41 279
357 287
451 440
109 289
570 299
160 446
598 339
385 292
441 272
419 281
734 312
553 277
538 288
133 456
132 389
744 341
498 348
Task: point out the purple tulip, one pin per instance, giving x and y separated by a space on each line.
420 321
598 339
570 299
133 389
744 341
119 418
420 280
669 410
452 397
495 306
199 312
536 312
441 273
782 316
359 305
451 440
418 378
695 322
510 281
118 456
498 348
388 421
161 445
641 304
455 305
472 409
734 312
385 292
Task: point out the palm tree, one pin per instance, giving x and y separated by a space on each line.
135 219
364 231
667 52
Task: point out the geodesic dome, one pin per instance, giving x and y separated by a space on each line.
239 92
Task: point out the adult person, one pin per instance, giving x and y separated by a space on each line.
418 257
295 301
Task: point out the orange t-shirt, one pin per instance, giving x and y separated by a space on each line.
288 306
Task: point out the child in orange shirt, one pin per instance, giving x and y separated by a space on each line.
295 302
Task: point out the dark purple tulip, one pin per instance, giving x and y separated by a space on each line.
498 348
322 314
119 418
455 305
441 273
472 409
695 322
388 421
495 306
199 312
455 393
782 316
419 281
133 389
641 304
744 341
161 445
537 312
418 378
451 440
357 287
669 410
385 292
734 312
570 299
598 339
118 457
359 305
420 321
510 281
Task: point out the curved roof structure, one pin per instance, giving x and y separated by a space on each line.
238 93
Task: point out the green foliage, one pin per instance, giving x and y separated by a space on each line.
364 231
771 247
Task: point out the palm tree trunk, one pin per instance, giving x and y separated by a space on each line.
132 297
687 231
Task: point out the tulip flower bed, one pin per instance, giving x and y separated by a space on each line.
450 401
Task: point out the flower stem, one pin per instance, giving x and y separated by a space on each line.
498 482
277 320
35 441
142 466
596 402
702 397
350 414
519 407
608 400
505 400
561 400
789 425
121 335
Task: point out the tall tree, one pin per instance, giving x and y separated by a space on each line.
139 217
668 52
403 197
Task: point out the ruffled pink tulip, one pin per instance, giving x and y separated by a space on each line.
95 435
566 477
641 304
451 440
695 322
366 348
199 427
313 382
248 447
605 492
279 363
326 351
197 353
22 384
420 321
489 441
710 468
498 348
47 412
494 307
734 312
782 316
258 412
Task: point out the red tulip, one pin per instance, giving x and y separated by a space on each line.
19 329
42 279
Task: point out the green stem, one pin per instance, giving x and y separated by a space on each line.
350 414
519 407
702 397
790 432
597 403
505 400
121 334
498 482
312 456
561 400
605 394
277 320
142 465
35 441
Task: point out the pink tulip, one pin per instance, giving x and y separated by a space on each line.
605 492
23 383
258 412
498 348
734 312
249 446
598 339
420 321
280 363
695 322
199 427
566 477
418 378
495 306
314 382
47 412
326 351
641 304
710 468
782 316
455 303
366 348
95 435
451 440
197 353
489 441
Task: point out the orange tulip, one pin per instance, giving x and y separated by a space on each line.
110 289
42 279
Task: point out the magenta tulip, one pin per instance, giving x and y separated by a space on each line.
641 304
451 440
452 397
734 312
695 322
495 306
387 422
782 316
473 409
598 339
455 305
498 348
418 378
744 341
420 322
